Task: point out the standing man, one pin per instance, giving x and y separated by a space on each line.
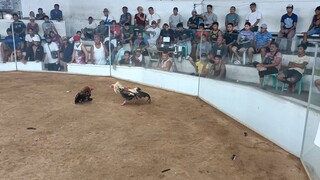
233 18
52 53
288 26
125 18
209 17
56 13
19 29
107 18
254 17
99 52
152 16
175 18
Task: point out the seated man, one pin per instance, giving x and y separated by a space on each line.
126 17
101 30
154 33
261 43
35 51
138 59
215 32
209 17
232 18
48 26
254 17
230 37
296 68
220 49
183 37
127 35
166 35
314 27
29 37
19 56
125 60
88 30
7 47
19 28
271 63
141 43
175 18
56 13
193 22
218 68
117 53
166 63
152 16
288 26
245 40
201 66
33 25
40 15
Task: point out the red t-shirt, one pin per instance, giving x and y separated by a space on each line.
139 21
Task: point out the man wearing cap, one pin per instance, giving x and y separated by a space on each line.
66 51
35 52
261 43
314 27
125 18
193 21
209 17
29 37
80 53
107 18
175 18
288 26
154 33
56 13
152 16
296 68
52 54
254 17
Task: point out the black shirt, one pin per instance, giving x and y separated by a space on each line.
229 37
38 55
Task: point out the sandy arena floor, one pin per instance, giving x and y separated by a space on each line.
104 140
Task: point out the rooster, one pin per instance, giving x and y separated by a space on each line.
84 95
129 94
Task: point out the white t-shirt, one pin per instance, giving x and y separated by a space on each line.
109 19
29 38
154 35
93 25
300 60
153 17
174 20
253 16
53 47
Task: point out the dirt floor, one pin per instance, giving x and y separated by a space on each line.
174 137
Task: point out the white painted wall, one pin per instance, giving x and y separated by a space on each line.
77 12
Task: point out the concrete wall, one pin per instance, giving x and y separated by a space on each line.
77 12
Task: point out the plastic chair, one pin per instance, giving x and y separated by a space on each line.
299 86
274 79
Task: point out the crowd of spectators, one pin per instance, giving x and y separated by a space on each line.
202 42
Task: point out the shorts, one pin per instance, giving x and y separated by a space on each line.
314 30
291 73
267 50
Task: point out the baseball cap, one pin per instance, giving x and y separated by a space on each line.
36 38
264 26
290 6
253 4
165 24
153 22
76 38
65 38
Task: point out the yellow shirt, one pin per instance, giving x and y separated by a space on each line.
200 66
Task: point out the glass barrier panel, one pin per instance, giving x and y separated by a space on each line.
311 146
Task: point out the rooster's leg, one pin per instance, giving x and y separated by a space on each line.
124 102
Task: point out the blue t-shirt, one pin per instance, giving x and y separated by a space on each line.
289 21
263 39
56 15
9 41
